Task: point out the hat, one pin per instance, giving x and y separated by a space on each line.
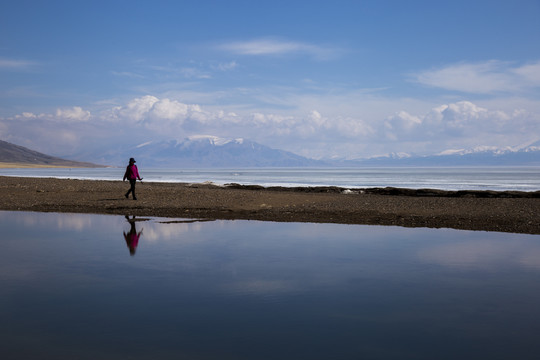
132 160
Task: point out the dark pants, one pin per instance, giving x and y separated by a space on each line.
132 182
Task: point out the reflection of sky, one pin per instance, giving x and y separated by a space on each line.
66 221
290 248
250 281
486 251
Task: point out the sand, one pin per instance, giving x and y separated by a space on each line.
516 212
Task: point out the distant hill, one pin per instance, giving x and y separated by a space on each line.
11 153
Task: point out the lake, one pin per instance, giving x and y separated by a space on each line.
77 286
498 178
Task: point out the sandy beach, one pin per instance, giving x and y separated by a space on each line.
471 210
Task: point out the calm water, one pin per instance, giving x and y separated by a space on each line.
70 289
445 178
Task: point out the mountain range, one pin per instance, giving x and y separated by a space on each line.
212 151
209 151
526 155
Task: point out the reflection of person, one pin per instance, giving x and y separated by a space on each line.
132 174
132 238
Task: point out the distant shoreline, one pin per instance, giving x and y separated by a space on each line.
446 179
514 212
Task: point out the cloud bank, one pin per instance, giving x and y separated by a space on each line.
311 133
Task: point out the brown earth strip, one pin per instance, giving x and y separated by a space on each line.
516 212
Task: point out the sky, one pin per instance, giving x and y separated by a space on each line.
323 79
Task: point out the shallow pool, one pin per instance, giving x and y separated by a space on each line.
80 286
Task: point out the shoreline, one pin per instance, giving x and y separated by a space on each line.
506 211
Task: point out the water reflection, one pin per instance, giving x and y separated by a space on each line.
132 237
485 252
258 290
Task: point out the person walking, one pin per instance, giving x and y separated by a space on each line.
132 174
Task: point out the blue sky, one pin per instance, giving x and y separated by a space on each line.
319 78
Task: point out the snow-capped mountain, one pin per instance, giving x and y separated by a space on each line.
393 156
212 151
490 155
535 146
528 154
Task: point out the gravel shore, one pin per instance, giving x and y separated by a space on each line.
516 212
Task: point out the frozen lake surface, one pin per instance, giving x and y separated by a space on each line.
443 178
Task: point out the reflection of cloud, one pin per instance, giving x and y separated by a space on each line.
154 230
531 259
483 254
77 222
157 231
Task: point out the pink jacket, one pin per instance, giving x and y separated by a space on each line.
132 173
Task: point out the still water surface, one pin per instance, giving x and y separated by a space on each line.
70 288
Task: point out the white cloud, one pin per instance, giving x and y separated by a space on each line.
165 117
26 115
15 64
226 66
399 123
169 109
192 72
482 78
465 117
529 73
172 71
136 109
462 119
460 125
272 46
127 74
74 114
